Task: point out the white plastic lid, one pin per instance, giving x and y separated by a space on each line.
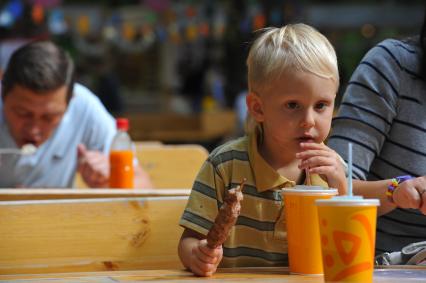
309 190
347 201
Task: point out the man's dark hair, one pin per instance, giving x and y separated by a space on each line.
422 40
39 66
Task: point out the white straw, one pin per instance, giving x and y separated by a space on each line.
350 169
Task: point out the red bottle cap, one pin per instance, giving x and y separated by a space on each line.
122 124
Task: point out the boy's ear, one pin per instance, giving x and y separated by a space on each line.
255 106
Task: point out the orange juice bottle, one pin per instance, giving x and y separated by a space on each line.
121 173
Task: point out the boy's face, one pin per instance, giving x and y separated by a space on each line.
296 108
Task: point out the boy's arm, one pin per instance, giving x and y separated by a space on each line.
196 255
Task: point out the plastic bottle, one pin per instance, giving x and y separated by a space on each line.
121 157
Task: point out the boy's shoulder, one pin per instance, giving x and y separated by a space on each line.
233 149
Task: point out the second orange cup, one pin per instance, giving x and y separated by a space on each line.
301 216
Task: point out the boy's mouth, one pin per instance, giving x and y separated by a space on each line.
306 139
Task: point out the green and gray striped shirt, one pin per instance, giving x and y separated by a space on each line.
259 237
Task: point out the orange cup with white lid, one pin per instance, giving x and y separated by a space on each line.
301 219
348 231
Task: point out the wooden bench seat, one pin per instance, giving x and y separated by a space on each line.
48 193
76 235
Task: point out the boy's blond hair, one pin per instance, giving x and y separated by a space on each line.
294 47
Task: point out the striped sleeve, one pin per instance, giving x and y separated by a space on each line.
368 108
203 203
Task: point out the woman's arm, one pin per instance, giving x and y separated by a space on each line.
408 194
377 190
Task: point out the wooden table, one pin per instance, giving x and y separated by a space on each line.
399 274
44 194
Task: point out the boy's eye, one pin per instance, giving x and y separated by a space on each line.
292 105
320 105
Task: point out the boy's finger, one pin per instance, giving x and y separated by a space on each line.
204 268
207 250
311 153
312 145
316 161
197 271
207 258
322 170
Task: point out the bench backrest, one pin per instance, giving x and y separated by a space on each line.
168 166
90 234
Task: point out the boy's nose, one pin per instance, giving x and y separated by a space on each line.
308 120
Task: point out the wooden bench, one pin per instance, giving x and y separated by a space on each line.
171 166
168 166
76 235
49 193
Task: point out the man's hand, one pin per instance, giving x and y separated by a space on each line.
411 194
204 260
320 159
93 167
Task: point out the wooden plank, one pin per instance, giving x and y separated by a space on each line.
172 166
44 194
397 274
89 235
168 166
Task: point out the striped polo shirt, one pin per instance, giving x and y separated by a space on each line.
383 114
259 237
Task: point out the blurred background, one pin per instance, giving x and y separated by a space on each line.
177 68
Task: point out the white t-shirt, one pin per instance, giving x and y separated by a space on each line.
55 161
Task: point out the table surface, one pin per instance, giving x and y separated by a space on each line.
11 194
396 274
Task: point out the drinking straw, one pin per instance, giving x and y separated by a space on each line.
350 170
308 177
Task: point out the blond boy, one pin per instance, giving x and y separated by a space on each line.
293 79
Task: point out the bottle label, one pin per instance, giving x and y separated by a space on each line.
121 169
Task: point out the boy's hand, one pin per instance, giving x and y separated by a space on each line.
411 194
320 159
204 260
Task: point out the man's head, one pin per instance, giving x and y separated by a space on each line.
36 88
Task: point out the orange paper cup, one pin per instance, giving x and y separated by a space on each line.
301 218
348 232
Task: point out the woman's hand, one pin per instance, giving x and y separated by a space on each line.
320 159
411 194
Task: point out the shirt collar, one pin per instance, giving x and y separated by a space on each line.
265 176
60 146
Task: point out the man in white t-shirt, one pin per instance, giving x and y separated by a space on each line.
67 123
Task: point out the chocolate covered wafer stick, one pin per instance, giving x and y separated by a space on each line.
226 218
